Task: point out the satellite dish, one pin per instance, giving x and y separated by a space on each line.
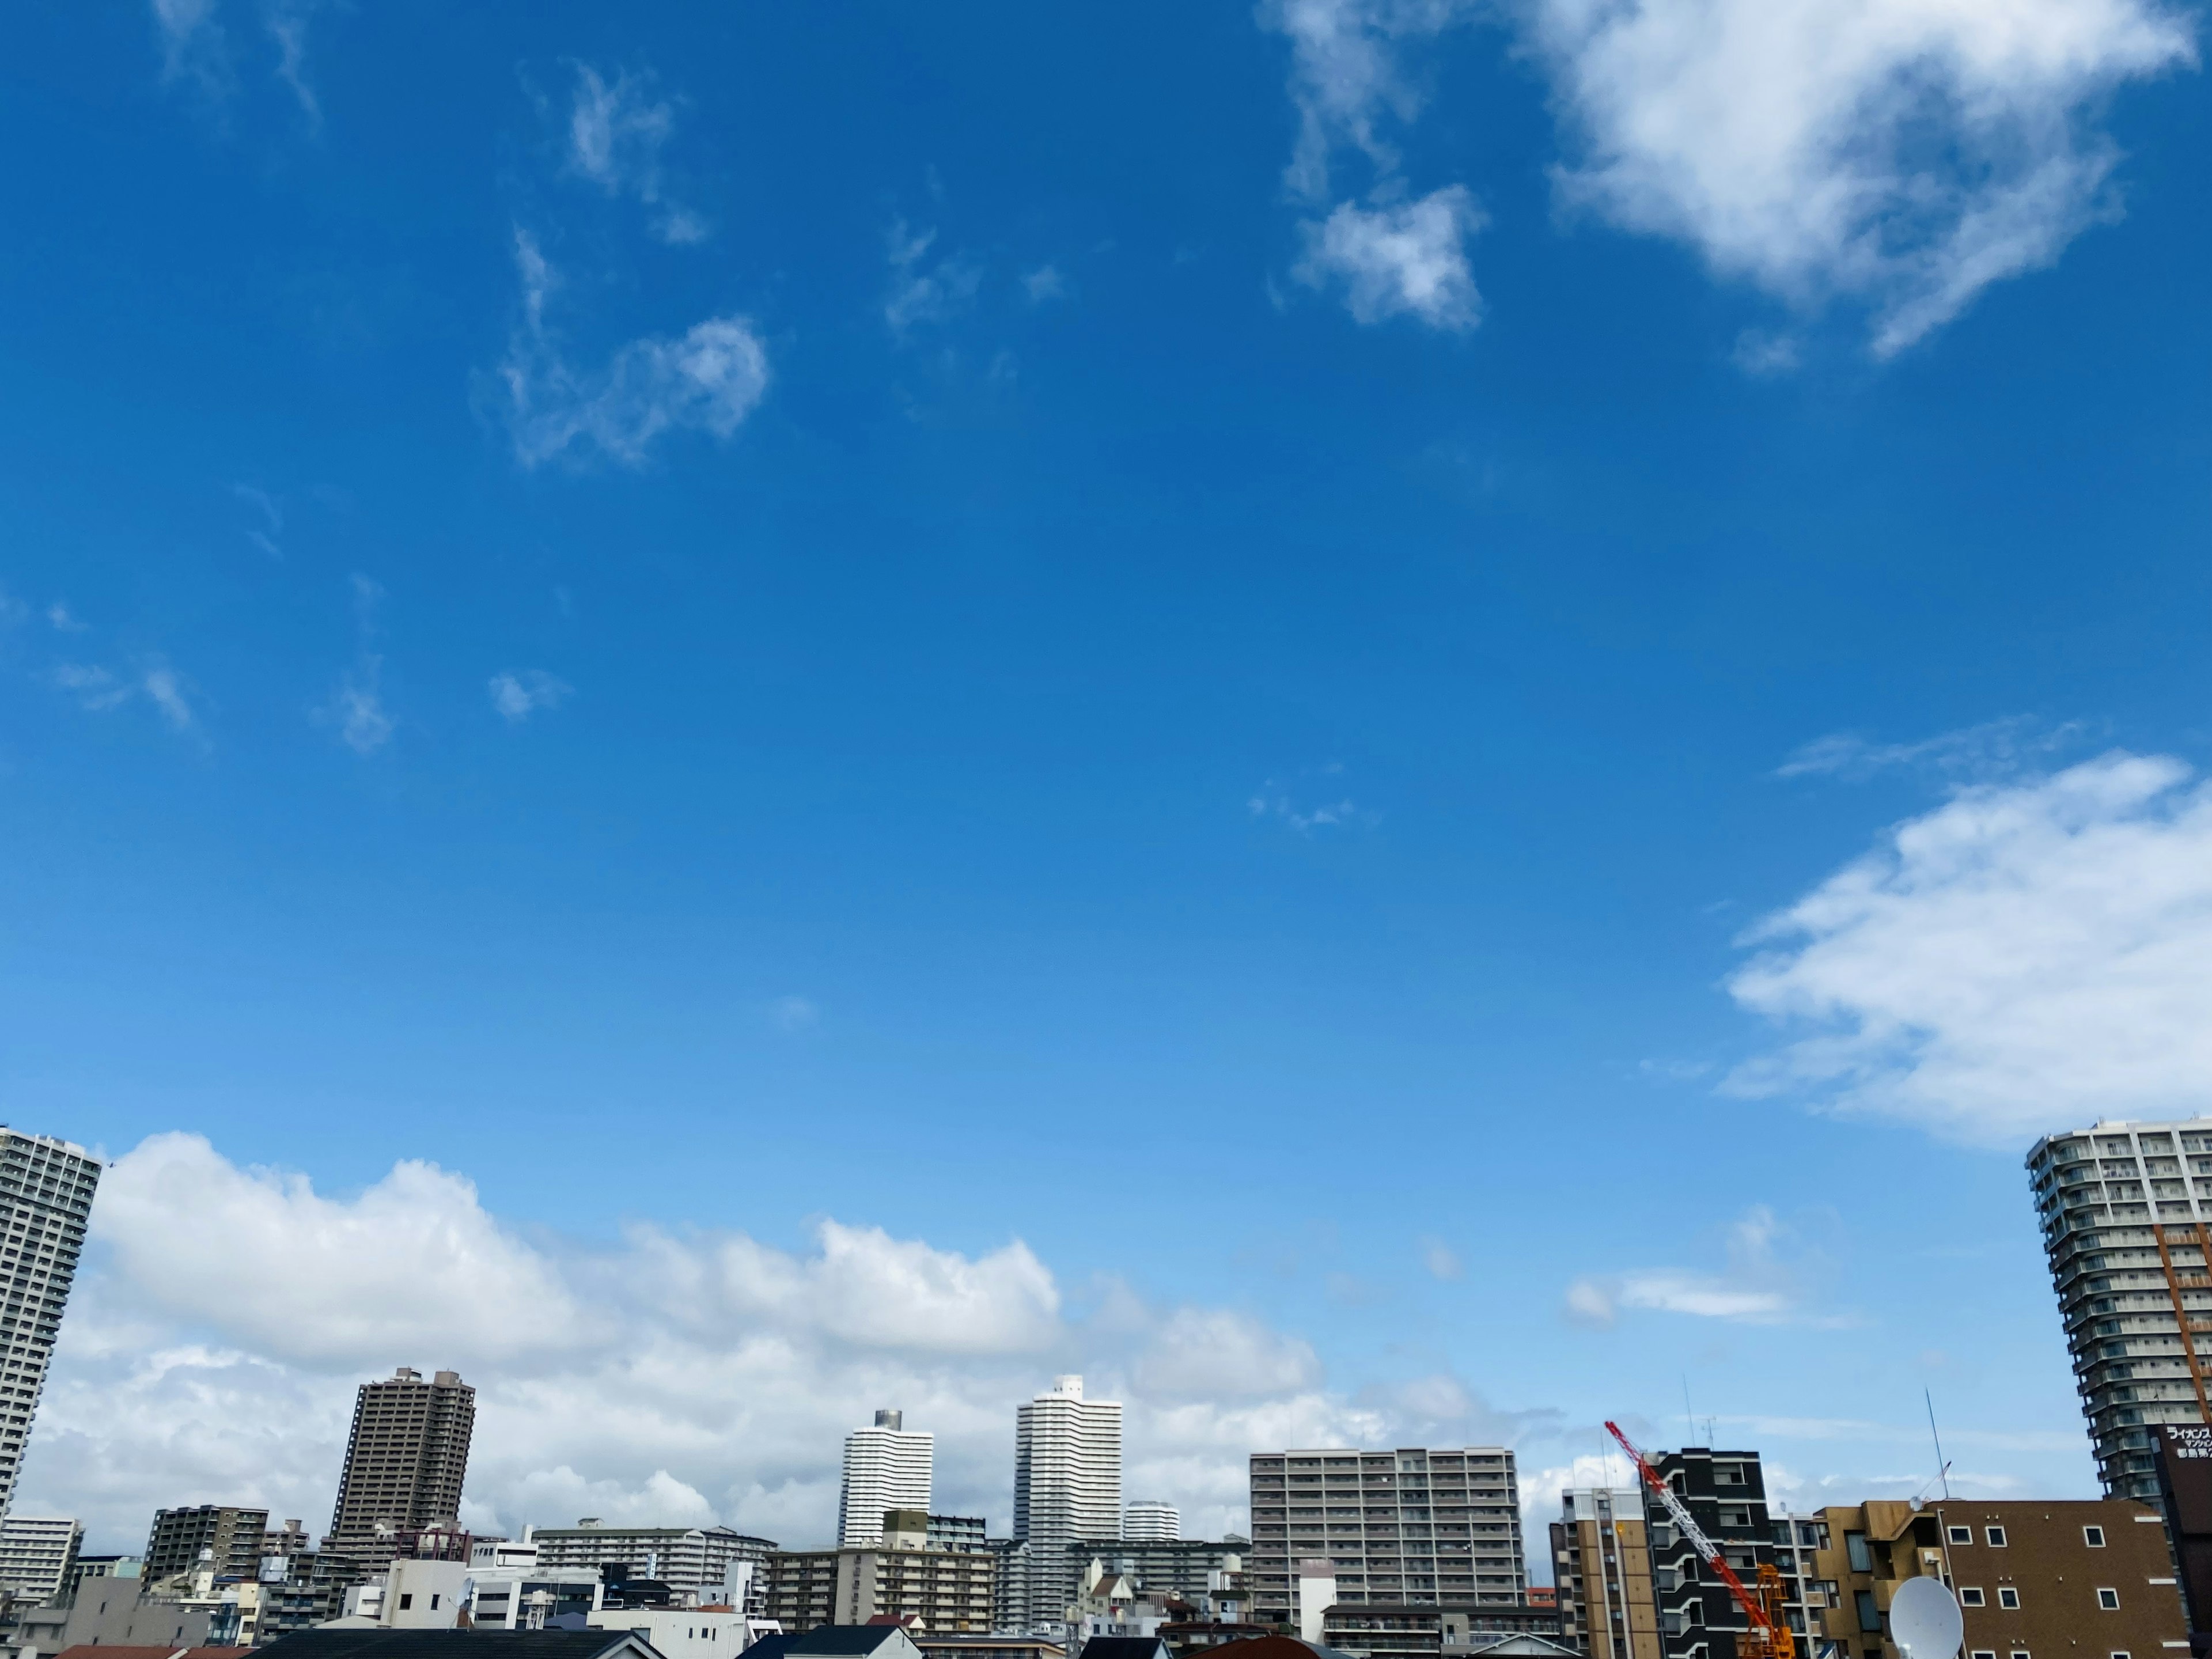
1925 1621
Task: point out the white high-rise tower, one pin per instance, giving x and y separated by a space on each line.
886 1467
1068 1484
1150 1523
46 1194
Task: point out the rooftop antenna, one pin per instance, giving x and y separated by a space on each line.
1942 1468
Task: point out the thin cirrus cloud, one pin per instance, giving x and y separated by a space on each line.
195 48
708 380
616 131
357 707
699 1375
924 290
1760 1286
98 689
1898 154
2029 956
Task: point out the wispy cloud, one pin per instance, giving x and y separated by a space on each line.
270 512
519 694
1393 257
1759 1287
1046 282
922 291
357 707
2030 955
616 131
287 29
1442 1261
1407 260
1289 801
191 43
708 380
98 689
793 1014
1988 750
62 620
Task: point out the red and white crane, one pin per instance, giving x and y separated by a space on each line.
1770 1636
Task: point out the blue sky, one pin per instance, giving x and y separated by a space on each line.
1124 690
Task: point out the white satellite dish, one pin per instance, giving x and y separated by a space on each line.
1925 1621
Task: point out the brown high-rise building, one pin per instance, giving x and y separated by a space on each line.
404 1463
231 1536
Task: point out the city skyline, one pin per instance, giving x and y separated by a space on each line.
1393 725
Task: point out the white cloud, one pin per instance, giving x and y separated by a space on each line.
921 292
1348 76
1442 1261
1407 260
98 689
1906 152
191 40
272 518
1758 1288
1045 282
60 619
708 380
616 133
671 1376
519 694
1275 800
2027 957
288 28
357 707
1985 752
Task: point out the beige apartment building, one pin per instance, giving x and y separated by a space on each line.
948 1590
2057 1580
1602 1573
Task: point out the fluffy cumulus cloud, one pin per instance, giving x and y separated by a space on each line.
226 1314
2027 956
1902 153
1408 259
1909 152
708 380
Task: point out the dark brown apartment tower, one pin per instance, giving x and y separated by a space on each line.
404 1463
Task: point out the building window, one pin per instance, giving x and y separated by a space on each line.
1996 1535
2094 1537
1964 1535
1869 1615
405 1602
2008 1597
2109 1600
1855 1546
1970 1596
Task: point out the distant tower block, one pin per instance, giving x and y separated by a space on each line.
888 1467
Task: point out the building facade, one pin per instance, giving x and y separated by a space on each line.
2125 1209
1067 1485
1413 1525
1146 1520
38 1556
405 1462
700 1560
46 1195
2044 1580
236 1538
1725 1493
903 1576
957 1532
888 1467
1601 1574
1189 1568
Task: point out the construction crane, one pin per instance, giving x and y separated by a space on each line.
1769 1635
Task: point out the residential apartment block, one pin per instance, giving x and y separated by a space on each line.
698 1560
236 1538
1067 1485
404 1462
1189 1568
888 1467
46 1195
2125 1209
2044 1580
1414 1525
1145 1519
902 1575
38 1556
1725 1493
1601 1574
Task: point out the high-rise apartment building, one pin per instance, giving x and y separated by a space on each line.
1601 1574
1145 1521
234 1538
1067 1485
46 1194
888 1467
404 1462
38 1553
2125 1209
1416 1526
